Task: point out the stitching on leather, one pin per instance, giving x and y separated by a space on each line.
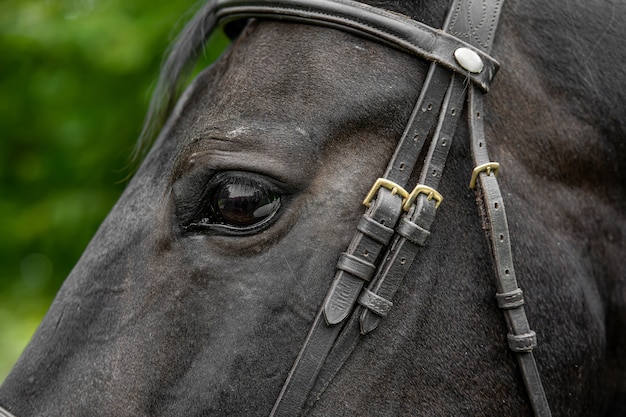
473 34
392 16
402 43
475 28
400 40
494 21
453 23
453 20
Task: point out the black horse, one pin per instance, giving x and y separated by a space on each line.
199 289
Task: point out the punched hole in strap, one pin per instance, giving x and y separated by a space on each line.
522 342
375 302
356 266
510 300
378 232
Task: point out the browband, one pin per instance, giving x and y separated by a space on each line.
349 16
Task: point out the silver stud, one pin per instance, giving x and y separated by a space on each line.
469 60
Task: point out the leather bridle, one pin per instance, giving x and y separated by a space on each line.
397 222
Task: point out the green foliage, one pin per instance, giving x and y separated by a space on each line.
75 77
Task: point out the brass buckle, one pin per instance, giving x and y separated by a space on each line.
390 185
431 194
489 166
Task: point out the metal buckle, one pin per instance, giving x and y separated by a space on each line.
391 186
431 194
489 166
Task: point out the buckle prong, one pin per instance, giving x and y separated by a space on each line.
430 193
391 186
488 167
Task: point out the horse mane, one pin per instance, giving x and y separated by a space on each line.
181 55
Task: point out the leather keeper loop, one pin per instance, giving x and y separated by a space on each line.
356 266
510 300
378 232
412 232
522 342
375 302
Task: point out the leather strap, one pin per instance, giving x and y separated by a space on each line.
346 288
5 413
377 298
417 226
341 298
347 284
475 22
412 231
521 338
347 15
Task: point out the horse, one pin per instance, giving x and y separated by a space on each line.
198 291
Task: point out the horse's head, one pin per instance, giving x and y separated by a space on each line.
199 289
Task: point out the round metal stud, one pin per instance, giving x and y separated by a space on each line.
469 60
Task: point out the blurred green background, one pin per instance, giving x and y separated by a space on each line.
75 79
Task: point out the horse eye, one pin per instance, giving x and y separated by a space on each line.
243 203
231 203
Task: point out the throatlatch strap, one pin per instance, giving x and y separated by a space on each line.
521 338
